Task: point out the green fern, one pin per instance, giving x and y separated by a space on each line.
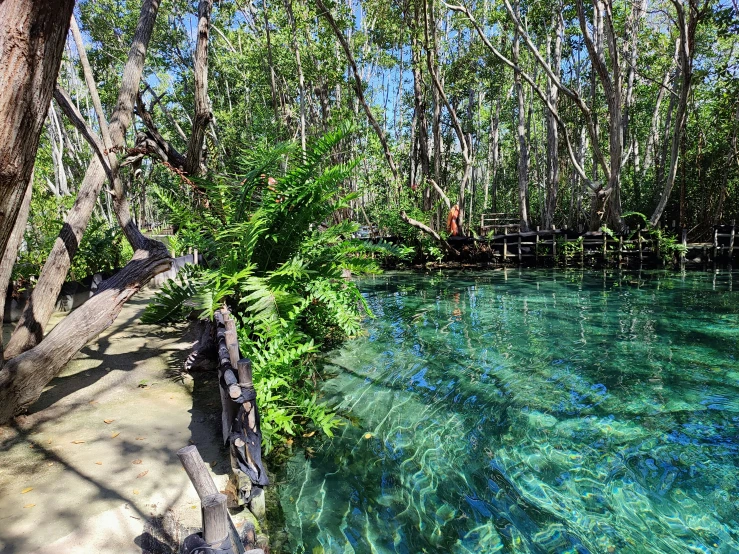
278 264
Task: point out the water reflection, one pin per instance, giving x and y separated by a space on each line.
530 412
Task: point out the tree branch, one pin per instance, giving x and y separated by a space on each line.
449 249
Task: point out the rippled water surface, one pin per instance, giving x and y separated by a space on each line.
531 411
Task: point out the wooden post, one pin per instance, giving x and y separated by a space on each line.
685 248
232 340
197 471
620 248
536 246
731 240
554 244
605 242
638 238
215 519
520 257
195 256
715 244
244 369
505 249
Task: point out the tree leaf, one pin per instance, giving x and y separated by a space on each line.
29 489
142 474
108 421
114 435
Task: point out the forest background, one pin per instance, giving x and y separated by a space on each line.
579 115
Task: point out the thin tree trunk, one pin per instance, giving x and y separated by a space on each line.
461 137
523 150
11 254
299 65
550 205
271 68
32 36
359 90
687 27
40 306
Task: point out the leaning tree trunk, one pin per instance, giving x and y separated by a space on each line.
40 306
24 377
32 36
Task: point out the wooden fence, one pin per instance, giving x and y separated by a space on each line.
241 431
568 247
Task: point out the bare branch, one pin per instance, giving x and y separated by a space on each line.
75 117
429 231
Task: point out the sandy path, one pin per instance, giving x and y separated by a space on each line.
115 486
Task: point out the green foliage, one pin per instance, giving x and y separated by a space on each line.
102 248
279 263
569 249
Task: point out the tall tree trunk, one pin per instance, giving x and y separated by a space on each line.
271 68
32 35
299 66
419 110
650 154
38 310
493 154
203 115
523 147
552 181
687 24
464 145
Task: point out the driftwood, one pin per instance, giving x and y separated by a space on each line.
448 249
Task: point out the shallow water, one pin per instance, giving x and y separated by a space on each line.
534 411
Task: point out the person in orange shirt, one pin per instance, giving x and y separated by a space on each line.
452 221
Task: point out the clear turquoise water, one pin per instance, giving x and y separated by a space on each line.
533 411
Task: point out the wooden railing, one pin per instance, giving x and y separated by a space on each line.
240 427
507 223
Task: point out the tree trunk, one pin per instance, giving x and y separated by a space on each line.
419 111
687 27
38 310
299 66
11 254
203 115
32 35
550 204
523 150
464 145
24 377
358 87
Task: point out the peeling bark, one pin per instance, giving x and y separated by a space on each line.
32 36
